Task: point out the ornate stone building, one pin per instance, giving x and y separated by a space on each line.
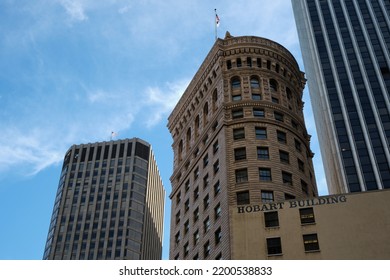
239 138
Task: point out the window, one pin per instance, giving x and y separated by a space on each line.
261 133
238 113
187 185
275 100
310 241
217 211
267 196
258 62
307 215
186 226
206 249
258 113
255 84
242 197
196 214
216 167
205 160
196 237
273 85
236 97
288 196
239 63
282 137
298 145
262 153
249 62
240 153
241 175
265 174
304 187
236 83
206 202
274 246
206 224
206 181
229 64
196 173
294 124
196 193
186 249
217 188
177 238
178 217
284 156
178 198
187 205
238 133
215 147
218 236
289 94
287 178
279 116
301 165
271 219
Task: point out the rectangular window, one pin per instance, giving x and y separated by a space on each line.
205 160
241 175
216 167
196 214
274 246
178 217
275 100
243 198
217 211
256 96
301 165
218 236
262 153
206 224
265 174
196 237
239 133
187 205
279 116
186 249
307 215
282 137
310 241
240 153
261 133
206 249
186 227
271 219
206 201
217 188
267 196
284 156
206 181
287 178
298 145
258 113
215 147
196 193
239 113
304 187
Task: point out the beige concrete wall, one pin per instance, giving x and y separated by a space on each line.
357 227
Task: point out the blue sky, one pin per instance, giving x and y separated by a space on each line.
72 71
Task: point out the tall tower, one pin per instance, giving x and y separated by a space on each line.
239 138
109 204
346 51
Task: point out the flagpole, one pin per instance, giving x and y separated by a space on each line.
215 24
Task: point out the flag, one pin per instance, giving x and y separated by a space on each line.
216 20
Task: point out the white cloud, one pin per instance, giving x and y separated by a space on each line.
160 102
75 9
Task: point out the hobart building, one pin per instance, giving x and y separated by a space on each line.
239 139
109 204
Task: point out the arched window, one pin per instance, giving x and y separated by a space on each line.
197 126
273 85
255 83
188 141
236 83
180 155
215 100
205 113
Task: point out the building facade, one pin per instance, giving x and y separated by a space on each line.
346 51
353 226
239 138
109 204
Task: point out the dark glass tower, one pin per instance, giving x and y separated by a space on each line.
346 51
109 204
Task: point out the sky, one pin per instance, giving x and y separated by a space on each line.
73 71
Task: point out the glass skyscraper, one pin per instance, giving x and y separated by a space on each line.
346 52
109 204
